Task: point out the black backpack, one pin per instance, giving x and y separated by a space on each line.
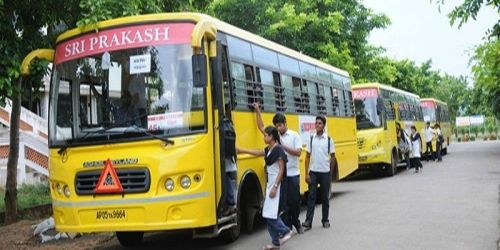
311 144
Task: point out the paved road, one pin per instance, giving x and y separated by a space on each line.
450 205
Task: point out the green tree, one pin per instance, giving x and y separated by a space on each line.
470 9
486 74
333 31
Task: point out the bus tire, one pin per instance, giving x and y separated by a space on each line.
391 169
130 239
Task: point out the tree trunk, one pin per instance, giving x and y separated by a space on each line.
11 185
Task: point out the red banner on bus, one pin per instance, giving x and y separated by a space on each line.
428 104
124 38
363 93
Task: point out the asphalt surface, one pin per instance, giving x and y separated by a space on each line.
450 205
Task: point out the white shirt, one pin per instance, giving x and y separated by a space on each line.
415 147
320 157
291 139
428 134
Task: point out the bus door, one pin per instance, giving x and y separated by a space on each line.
225 139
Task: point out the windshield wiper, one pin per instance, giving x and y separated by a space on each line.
146 132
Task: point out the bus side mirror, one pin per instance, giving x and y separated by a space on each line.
199 70
380 106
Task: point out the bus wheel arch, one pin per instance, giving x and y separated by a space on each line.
249 199
130 239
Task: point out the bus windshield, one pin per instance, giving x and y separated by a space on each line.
128 93
365 103
429 111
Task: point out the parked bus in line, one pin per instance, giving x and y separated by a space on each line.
436 111
137 116
378 108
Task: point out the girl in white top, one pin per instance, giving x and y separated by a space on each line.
416 143
275 159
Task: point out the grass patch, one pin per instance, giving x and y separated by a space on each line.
28 196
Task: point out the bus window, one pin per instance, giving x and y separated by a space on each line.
305 108
243 85
288 93
341 103
297 95
335 101
348 103
280 98
321 100
312 93
327 90
266 80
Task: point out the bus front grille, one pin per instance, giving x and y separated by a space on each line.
133 180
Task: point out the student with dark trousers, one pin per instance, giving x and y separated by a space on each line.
320 164
292 144
275 159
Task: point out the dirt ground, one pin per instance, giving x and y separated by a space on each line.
20 236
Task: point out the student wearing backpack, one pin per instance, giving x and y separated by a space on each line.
320 164
439 141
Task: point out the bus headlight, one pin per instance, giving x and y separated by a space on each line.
185 181
67 193
169 184
59 189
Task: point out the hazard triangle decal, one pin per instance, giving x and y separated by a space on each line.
108 181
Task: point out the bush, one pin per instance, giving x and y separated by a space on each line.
29 195
472 138
493 136
459 139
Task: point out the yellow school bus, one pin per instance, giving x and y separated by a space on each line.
378 108
137 117
436 111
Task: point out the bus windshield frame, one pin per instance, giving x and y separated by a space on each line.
123 84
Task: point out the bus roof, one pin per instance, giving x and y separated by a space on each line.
383 86
197 17
433 100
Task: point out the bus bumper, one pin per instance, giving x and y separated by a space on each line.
135 214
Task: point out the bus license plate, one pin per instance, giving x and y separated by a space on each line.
111 215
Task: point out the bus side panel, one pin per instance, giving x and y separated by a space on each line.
343 131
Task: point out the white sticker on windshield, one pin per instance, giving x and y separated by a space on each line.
106 61
166 121
140 64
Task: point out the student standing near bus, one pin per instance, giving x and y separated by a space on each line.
429 134
275 159
416 142
403 144
320 164
292 144
439 141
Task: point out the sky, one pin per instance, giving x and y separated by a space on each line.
418 31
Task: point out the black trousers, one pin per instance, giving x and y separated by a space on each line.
292 210
431 153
